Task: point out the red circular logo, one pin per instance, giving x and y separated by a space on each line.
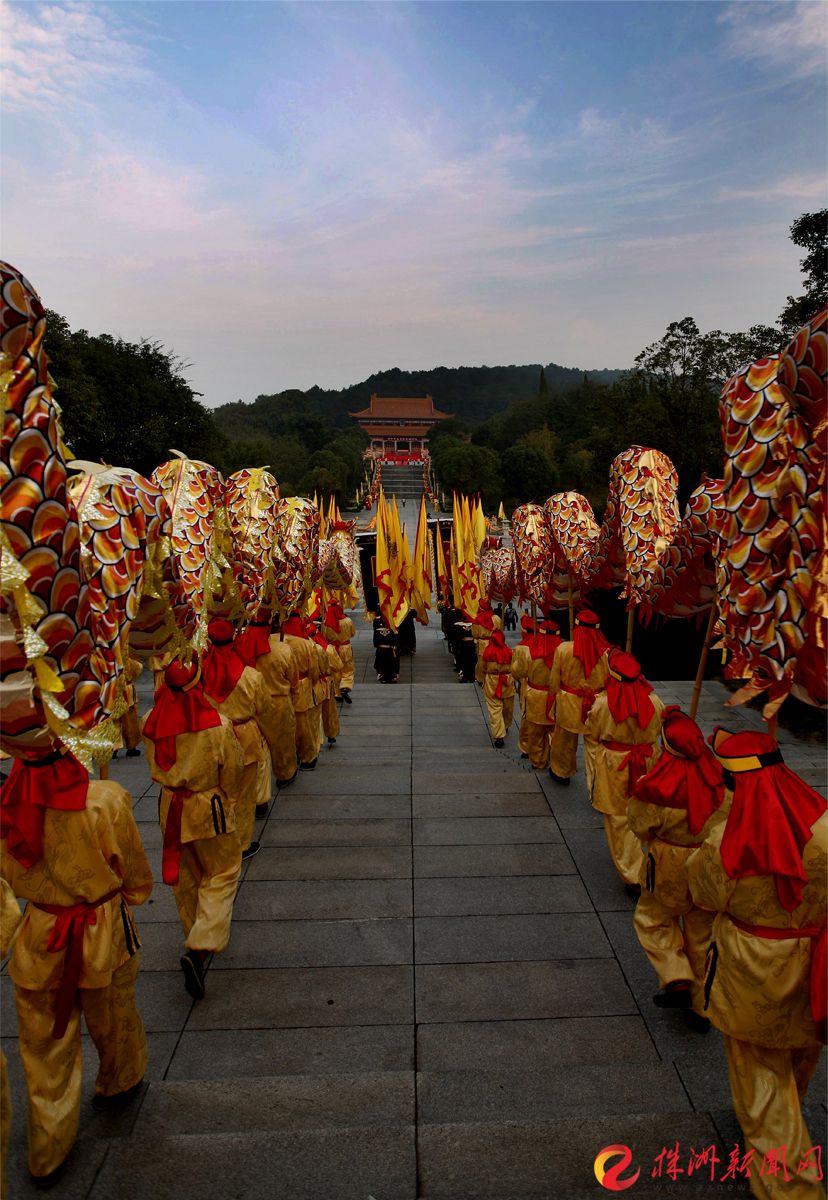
608 1175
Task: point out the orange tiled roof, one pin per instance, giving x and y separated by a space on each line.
398 407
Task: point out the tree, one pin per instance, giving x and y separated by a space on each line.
528 473
810 231
469 469
125 403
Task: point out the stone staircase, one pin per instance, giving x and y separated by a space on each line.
406 483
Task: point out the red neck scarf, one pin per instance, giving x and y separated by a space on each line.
770 820
485 617
687 775
294 627
253 643
628 693
334 616
180 707
543 645
497 650
56 781
222 666
588 643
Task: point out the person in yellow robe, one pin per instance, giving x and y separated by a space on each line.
532 663
261 647
520 668
579 673
193 753
306 659
71 849
330 666
242 696
671 812
9 922
623 727
339 629
498 686
763 872
130 731
483 625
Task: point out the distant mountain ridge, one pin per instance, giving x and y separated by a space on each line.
472 394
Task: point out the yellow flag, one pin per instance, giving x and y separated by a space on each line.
420 588
389 578
478 525
440 565
501 516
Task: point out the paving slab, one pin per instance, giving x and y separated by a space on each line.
325 899
317 943
532 1045
472 803
467 831
319 1164
236 1053
282 831
290 805
331 862
509 938
496 894
522 990
309 997
453 861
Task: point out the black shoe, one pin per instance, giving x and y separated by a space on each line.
331 741
307 766
673 996
695 1022
283 783
346 695
562 780
133 753
117 1102
44 1182
262 810
498 742
522 755
192 965
633 889
251 851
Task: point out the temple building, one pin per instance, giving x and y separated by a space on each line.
398 426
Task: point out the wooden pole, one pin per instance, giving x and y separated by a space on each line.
630 620
534 617
708 638
571 608
103 770
773 725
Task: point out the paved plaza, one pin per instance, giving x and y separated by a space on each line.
432 988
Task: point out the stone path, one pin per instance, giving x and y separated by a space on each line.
433 987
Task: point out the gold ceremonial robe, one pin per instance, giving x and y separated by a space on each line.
536 704
759 999
574 695
616 748
86 855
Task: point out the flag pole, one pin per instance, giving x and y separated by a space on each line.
708 638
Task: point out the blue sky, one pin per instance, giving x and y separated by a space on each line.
290 194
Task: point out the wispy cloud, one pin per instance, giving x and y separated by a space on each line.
804 188
790 39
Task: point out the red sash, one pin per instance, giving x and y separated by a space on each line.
171 852
550 699
635 757
67 934
587 698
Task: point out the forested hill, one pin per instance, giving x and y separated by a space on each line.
472 394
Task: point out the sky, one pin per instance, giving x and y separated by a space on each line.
297 194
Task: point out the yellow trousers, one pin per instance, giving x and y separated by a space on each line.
330 717
675 947
130 730
563 751
264 787
284 758
206 889
501 713
247 798
346 654
768 1087
307 735
537 744
624 847
53 1065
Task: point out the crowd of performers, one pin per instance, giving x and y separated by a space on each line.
724 847
260 704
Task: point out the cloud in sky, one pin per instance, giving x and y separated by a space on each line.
306 193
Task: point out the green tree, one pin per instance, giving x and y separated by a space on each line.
469 469
125 403
810 231
528 473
